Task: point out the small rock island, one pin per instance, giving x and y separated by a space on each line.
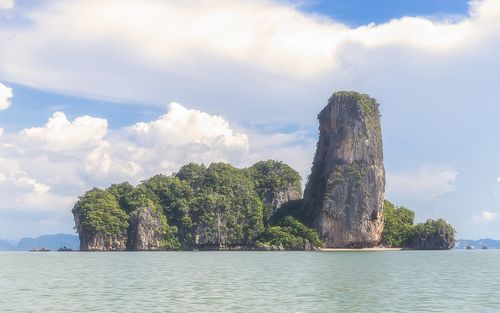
221 207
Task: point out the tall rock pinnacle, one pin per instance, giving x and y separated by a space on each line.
345 192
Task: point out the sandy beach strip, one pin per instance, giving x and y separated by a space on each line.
377 249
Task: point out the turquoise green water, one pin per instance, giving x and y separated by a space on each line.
405 281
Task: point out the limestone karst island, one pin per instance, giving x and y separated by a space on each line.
262 207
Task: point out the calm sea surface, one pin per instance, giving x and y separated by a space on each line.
403 281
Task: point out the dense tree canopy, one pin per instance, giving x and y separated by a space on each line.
290 234
399 230
272 178
219 206
223 207
398 225
99 211
432 235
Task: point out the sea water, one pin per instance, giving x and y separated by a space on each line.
268 282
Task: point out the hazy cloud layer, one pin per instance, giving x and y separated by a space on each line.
425 184
485 217
249 54
6 4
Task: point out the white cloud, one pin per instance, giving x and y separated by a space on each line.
5 96
30 184
485 217
6 4
59 134
45 168
255 48
426 183
181 126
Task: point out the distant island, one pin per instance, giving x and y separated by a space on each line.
485 243
261 207
51 242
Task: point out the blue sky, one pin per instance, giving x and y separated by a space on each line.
92 102
361 12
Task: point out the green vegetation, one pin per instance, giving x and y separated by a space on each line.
398 225
99 211
289 234
272 178
432 235
368 104
212 207
399 230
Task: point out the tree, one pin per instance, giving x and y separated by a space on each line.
227 210
272 178
432 235
99 211
398 224
290 234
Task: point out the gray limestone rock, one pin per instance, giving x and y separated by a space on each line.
146 230
344 195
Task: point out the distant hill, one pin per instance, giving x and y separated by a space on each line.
6 245
478 244
52 242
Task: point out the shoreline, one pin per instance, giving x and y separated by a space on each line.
377 249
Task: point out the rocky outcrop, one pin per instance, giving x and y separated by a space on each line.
274 199
102 242
432 235
345 192
276 183
99 221
435 241
92 240
146 230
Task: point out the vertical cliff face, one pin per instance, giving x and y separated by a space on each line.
275 199
146 230
102 242
345 192
100 223
97 240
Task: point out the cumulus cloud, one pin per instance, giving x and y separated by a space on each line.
59 134
485 217
181 126
47 167
5 96
424 184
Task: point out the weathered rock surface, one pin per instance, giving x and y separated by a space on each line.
99 241
100 222
345 192
276 198
435 241
102 242
146 230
